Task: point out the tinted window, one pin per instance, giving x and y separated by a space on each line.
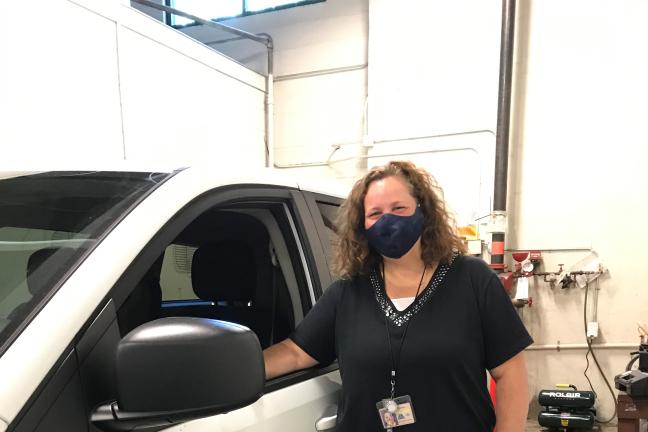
47 222
238 265
175 277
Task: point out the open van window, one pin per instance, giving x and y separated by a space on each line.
48 222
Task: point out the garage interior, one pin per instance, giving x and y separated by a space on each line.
530 114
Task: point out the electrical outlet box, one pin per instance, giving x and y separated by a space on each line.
592 329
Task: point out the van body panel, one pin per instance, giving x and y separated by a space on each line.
27 362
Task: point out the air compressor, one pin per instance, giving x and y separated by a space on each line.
567 408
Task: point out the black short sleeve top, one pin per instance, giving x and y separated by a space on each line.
462 324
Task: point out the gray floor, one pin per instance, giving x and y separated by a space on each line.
532 426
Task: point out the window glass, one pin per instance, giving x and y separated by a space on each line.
227 8
47 222
206 9
258 5
17 245
175 278
236 264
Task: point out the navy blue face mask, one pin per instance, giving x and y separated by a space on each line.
393 236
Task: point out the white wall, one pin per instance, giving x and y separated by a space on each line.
321 78
578 176
406 78
59 92
433 73
102 81
433 67
183 102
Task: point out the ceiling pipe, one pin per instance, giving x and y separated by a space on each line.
498 216
330 161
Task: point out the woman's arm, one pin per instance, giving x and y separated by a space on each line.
512 394
285 357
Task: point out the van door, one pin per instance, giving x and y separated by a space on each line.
245 254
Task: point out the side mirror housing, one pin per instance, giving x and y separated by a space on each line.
176 369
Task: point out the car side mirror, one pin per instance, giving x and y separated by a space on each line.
177 369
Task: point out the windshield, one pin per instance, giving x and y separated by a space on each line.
48 223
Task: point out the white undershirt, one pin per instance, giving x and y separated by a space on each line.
402 303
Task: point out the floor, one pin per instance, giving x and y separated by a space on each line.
532 426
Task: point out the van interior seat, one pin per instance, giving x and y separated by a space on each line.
39 276
225 273
234 276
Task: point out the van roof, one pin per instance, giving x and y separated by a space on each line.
217 173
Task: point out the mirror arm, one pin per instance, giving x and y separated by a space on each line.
108 417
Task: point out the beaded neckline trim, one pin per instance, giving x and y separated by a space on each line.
401 317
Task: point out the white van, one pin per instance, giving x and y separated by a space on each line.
133 300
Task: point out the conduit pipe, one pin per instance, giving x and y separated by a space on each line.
560 347
364 157
320 72
498 216
337 147
262 38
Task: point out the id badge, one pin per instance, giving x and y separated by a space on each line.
396 412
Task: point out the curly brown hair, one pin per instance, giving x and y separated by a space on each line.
439 240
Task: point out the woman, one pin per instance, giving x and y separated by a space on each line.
413 323
389 419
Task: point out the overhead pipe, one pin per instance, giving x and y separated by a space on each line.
499 216
328 162
262 38
321 72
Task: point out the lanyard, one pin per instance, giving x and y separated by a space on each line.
394 365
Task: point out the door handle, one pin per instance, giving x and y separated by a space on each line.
326 423
328 419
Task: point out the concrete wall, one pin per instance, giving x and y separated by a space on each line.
102 81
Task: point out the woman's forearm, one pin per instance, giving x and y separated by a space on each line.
285 357
512 394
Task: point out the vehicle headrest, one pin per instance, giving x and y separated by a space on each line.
224 271
37 279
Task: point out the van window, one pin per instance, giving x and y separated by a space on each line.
47 222
175 276
237 264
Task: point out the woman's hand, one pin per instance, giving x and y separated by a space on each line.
512 393
285 357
